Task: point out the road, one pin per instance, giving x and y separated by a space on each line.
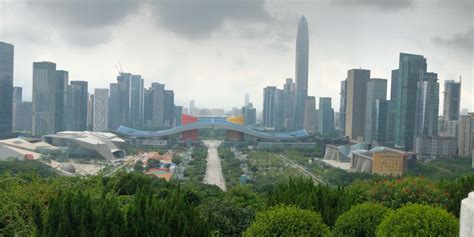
214 174
303 170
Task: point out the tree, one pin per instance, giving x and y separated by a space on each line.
360 220
138 167
419 220
287 221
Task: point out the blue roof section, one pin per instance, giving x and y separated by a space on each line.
216 123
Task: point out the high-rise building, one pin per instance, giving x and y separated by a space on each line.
250 115
288 103
342 108
178 112
376 90
326 116
380 128
81 104
131 100
169 109
17 94
310 114
246 99
44 96
394 85
273 107
62 81
192 108
356 86
301 72
73 116
100 115
410 71
452 100
136 101
90 113
6 89
466 136
114 106
427 102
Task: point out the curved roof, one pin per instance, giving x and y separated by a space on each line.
216 123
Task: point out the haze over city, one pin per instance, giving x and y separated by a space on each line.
215 51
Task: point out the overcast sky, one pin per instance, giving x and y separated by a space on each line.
214 51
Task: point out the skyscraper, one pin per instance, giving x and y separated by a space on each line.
136 101
466 136
452 100
246 99
114 106
301 71
310 114
356 86
411 67
342 107
62 81
169 109
250 114
17 94
376 90
394 85
73 116
81 104
44 98
288 103
178 113
326 116
6 89
100 115
273 107
427 103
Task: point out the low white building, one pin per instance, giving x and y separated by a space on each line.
97 144
26 149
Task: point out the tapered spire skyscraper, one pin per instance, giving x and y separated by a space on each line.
301 71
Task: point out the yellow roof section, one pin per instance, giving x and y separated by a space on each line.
236 119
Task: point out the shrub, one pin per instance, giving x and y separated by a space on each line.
360 220
287 221
419 220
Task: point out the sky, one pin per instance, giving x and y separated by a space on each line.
215 51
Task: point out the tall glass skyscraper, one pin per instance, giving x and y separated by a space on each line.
44 98
410 71
6 89
301 73
452 100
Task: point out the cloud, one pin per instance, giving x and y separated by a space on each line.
200 18
460 41
380 4
83 22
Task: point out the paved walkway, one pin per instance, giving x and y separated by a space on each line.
214 174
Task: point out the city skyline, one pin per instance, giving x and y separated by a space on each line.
185 63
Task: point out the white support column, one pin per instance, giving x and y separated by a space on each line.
467 216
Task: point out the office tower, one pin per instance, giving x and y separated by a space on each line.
288 103
356 86
247 99
273 107
44 95
394 85
452 100
136 101
410 71
17 94
178 112
250 115
73 112
390 130
100 107
380 126
114 106
326 116
466 136
309 123
342 107
81 104
6 89
157 105
301 72
90 113
22 116
62 81
169 109
427 102
192 107
376 90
